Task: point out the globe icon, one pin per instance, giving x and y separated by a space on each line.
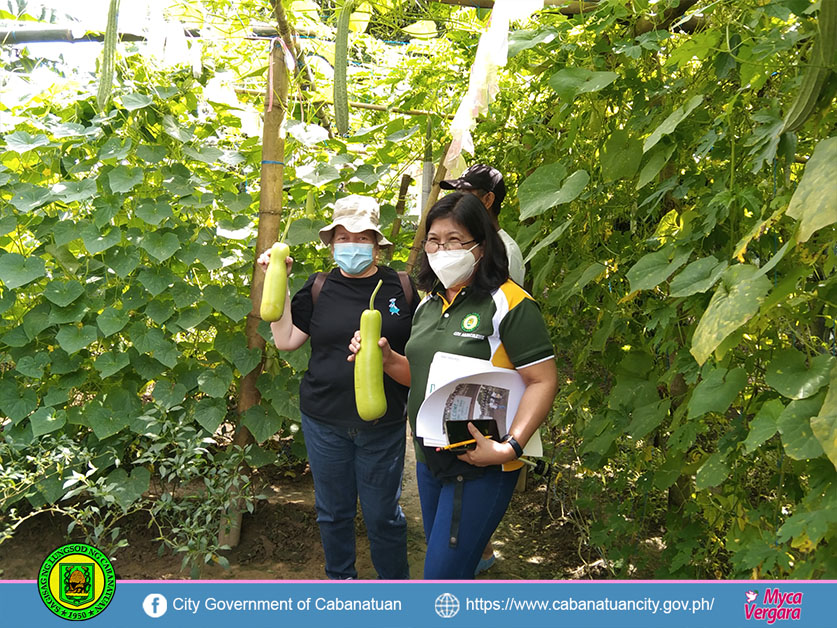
447 605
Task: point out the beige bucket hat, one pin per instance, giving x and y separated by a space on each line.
356 213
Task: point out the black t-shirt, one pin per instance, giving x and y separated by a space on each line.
327 391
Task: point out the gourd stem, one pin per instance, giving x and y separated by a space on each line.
374 292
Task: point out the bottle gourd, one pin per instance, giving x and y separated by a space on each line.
370 399
275 284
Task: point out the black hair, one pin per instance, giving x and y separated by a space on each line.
468 211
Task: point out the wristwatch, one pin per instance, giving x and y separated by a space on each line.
511 440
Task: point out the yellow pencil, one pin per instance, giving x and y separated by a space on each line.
460 443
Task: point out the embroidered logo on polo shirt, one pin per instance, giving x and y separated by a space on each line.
470 322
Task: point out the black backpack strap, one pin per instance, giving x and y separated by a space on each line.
317 287
406 286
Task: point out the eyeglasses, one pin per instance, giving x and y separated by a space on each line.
431 246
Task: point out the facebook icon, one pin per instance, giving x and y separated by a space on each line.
155 605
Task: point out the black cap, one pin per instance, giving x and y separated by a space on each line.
479 177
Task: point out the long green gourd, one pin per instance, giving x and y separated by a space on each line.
370 399
341 63
275 284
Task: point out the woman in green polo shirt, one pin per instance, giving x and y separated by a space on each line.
465 274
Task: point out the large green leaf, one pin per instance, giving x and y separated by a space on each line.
227 301
263 422
127 489
111 363
103 421
317 173
824 425
16 270
96 241
671 122
71 191
123 179
648 417
111 321
620 157
712 472
169 394
735 301
540 191
811 203
134 101
123 261
304 230
789 375
152 341
46 420
32 365
62 293
209 413
552 237
656 161
795 427
699 276
153 212
160 245
717 391
216 382
570 82
73 338
26 197
233 346
764 425
654 268
156 280
16 403
22 142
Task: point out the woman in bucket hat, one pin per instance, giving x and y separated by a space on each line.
351 458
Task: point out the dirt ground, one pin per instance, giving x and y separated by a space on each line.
280 540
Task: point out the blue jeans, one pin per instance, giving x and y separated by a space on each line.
347 463
484 502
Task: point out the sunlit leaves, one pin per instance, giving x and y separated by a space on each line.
654 268
16 270
22 141
123 178
570 82
795 426
73 338
788 373
811 204
670 123
134 101
620 157
717 391
541 191
735 301
63 293
699 276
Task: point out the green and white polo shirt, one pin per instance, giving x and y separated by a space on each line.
505 327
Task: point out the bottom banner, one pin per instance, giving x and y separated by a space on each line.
79 591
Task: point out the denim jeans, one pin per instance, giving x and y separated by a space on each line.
484 502
347 464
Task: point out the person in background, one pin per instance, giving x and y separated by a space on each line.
351 458
486 183
464 271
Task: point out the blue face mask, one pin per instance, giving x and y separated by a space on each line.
353 257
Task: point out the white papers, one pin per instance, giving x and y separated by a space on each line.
452 380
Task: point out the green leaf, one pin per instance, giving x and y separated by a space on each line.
656 161
46 420
227 301
717 391
670 123
209 413
169 394
73 338
620 156
36 320
540 191
159 311
306 134
304 230
234 349
570 82
152 341
810 205
699 276
115 149
127 489
712 472
206 154
824 425
172 128
32 365
96 241
27 197
103 421
192 317
16 270
151 154
548 240
735 301
22 142
111 321
654 268
789 375
156 280
216 382
122 178
160 245
647 418
16 403
317 173
111 362
62 293
72 191
263 422
153 212
795 427
134 101
764 425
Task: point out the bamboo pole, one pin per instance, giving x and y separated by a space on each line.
441 172
270 212
406 180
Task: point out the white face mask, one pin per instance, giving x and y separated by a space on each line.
452 267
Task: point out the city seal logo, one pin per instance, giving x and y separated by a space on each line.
470 322
76 581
